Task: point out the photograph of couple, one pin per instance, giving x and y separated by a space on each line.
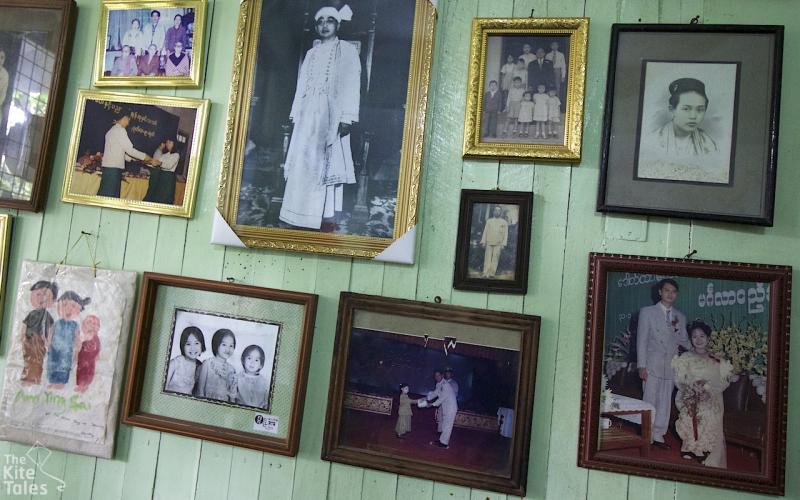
689 354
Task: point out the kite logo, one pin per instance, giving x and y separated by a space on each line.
20 473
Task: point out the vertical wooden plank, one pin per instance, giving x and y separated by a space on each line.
311 473
78 477
345 482
245 474
277 477
177 470
444 491
213 472
378 485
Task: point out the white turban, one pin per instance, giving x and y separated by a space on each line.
343 14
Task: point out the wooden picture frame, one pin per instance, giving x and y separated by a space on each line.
361 415
163 298
28 27
731 384
263 200
169 68
497 46
153 122
6 221
493 249
667 151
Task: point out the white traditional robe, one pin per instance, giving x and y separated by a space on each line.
319 162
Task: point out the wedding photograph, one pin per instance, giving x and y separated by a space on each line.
686 364
222 359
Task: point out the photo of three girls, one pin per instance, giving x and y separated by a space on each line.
217 370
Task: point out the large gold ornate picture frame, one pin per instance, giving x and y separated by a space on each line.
526 89
273 185
150 44
155 171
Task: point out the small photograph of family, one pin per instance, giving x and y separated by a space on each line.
685 371
442 401
137 152
60 341
525 89
686 122
149 43
222 359
493 241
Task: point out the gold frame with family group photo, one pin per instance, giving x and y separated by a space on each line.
191 80
119 100
562 133
405 131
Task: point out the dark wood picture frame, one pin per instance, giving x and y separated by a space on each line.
333 448
132 415
749 167
461 278
47 146
773 456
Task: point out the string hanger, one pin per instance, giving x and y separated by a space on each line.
85 236
531 12
690 254
695 20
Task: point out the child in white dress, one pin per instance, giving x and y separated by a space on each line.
553 113
540 99
526 111
251 387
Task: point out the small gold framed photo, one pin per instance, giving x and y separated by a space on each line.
136 152
526 88
150 44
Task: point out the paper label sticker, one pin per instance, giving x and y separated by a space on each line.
265 423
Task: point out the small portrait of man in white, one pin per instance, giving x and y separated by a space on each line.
686 124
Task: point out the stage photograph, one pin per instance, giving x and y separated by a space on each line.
439 401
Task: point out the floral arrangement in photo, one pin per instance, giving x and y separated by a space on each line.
745 346
618 353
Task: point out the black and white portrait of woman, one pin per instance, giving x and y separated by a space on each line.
686 122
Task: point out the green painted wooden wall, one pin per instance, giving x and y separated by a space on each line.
164 466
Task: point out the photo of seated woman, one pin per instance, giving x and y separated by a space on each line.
686 122
151 43
134 151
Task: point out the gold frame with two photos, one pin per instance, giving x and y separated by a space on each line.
577 29
243 80
198 45
193 170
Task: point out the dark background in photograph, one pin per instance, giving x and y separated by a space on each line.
512 44
288 32
378 362
170 122
508 257
29 64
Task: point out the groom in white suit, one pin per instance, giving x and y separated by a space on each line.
661 329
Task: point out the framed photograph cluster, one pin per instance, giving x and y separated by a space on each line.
526 88
494 238
220 361
434 391
691 121
136 152
292 178
35 47
153 44
686 371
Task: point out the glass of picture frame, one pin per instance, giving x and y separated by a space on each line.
35 46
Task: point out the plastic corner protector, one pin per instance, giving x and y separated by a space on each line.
222 234
402 250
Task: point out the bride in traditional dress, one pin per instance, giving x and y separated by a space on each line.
700 378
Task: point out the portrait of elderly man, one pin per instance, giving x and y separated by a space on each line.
319 161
